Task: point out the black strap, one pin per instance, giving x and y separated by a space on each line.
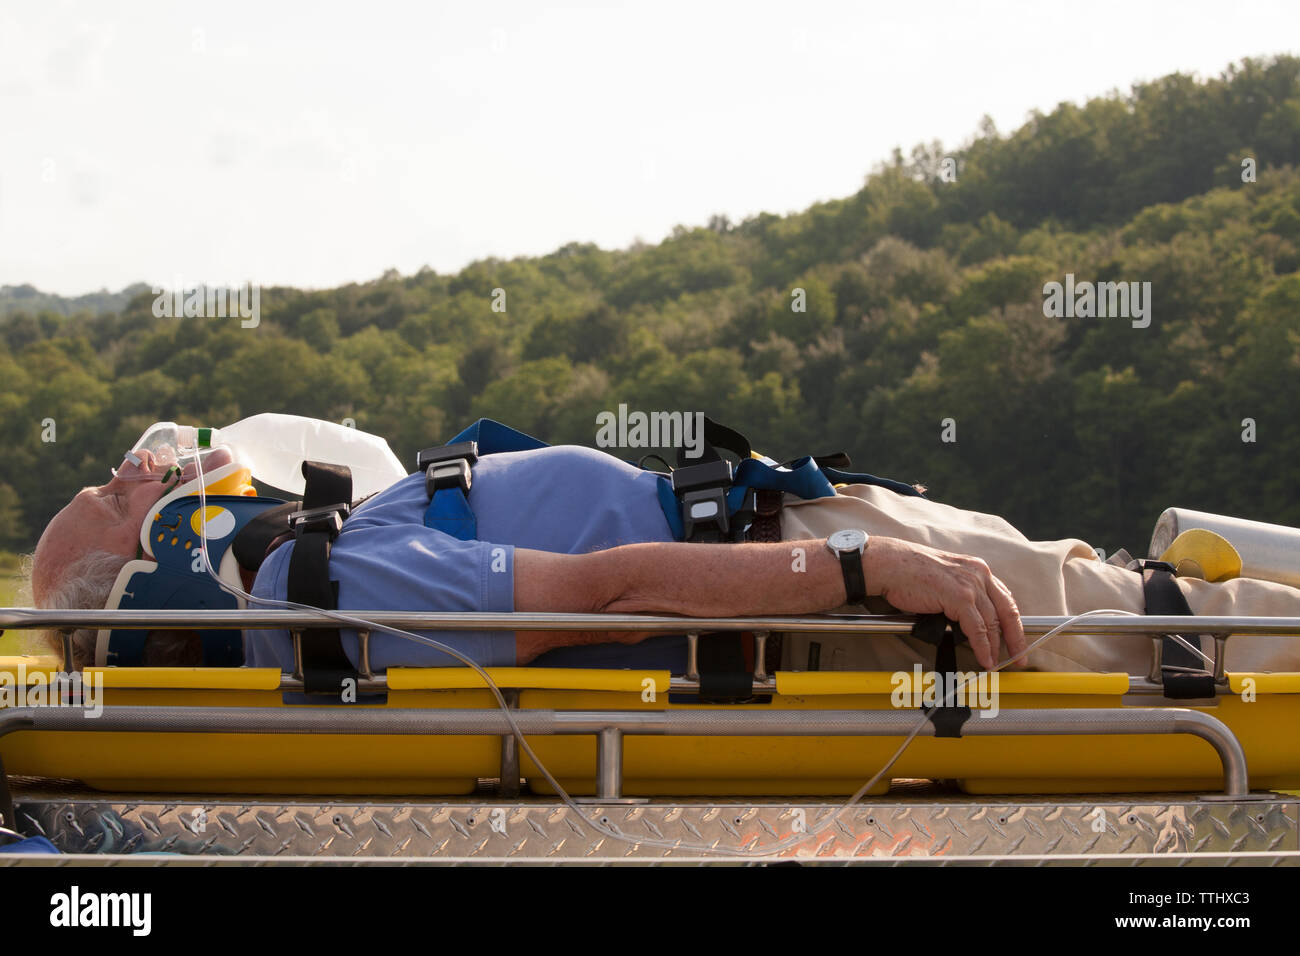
936 629
254 538
324 665
720 657
1182 673
717 436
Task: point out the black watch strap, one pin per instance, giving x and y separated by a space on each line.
855 583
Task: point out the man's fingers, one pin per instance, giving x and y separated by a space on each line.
966 591
976 631
1013 629
993 629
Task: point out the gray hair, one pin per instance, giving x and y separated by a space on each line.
84 585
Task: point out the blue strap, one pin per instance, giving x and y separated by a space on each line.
450 513
493 437
449 509
803 478
672 511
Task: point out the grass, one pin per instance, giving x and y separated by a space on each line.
9 579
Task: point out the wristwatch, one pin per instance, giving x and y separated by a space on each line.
849 545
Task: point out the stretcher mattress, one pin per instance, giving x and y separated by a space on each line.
652 765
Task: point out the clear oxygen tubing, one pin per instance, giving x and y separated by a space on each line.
739 852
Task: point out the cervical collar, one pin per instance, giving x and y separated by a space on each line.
176 579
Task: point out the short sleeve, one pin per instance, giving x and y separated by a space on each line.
402 567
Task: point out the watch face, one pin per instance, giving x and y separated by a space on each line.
850 539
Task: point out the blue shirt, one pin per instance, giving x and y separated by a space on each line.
566 499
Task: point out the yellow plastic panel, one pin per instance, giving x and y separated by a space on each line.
258 763
438 678
1265 683
816 683
177 678
685 766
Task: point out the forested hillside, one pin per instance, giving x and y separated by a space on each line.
30 300
923 298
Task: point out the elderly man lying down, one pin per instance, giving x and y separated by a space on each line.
572 529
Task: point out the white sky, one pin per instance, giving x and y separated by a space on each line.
316 144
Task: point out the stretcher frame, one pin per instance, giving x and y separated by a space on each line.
609 728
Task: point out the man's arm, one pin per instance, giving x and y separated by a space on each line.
728 580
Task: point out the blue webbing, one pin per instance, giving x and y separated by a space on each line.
449 510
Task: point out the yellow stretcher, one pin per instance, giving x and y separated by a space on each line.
635 733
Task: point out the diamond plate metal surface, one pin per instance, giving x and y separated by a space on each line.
898 828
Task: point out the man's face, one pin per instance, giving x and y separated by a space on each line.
107 518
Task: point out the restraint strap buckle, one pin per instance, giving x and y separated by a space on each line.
468 450
702 491
447 474
328 519
447 466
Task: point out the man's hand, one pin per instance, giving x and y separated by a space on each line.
788 577
920 580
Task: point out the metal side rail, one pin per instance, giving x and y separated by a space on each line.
609 727
864 626
19 617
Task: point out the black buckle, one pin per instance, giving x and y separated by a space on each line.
1145 565
702 491
449 474
461 449
447 466
328 519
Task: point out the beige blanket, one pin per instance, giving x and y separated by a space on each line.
1047 578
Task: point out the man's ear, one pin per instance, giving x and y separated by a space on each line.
172 649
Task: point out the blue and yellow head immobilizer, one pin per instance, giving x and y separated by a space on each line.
176 579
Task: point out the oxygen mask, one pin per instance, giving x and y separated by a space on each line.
170 453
